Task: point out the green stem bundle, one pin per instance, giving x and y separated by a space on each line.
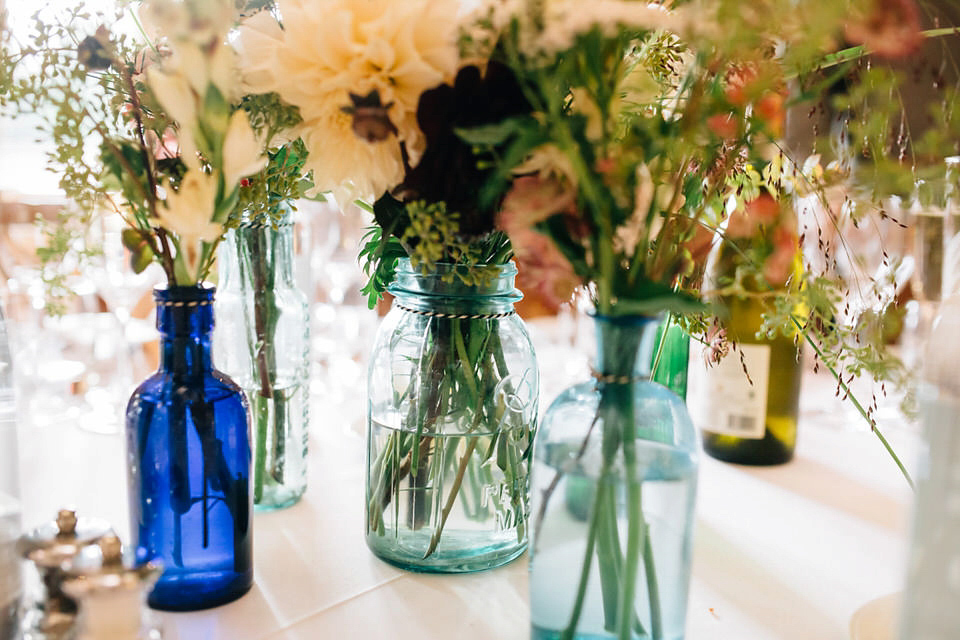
455 436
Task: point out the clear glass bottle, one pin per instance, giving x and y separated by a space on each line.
929 610
452 388
10 580
188 464
262 341
614 487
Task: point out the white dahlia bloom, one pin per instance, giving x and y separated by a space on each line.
326 51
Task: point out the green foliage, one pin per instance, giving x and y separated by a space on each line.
265 196
379 256
428 234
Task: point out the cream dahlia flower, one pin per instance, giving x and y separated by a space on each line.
346 164
323 54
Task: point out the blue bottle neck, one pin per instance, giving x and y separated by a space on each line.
185 323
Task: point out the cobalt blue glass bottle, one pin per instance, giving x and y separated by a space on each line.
188 449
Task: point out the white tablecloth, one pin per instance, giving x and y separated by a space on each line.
785 553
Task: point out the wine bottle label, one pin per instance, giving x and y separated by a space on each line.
721 398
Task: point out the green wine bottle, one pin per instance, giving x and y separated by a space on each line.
746 405
671 368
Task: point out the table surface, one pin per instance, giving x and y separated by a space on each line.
787 553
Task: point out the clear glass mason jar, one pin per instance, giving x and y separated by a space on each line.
262 341
452 411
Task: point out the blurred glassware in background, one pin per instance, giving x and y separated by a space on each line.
933 580
950 279
10 582
116 358
77 367
928 218
342 325
876 264
933 221
48 612
111 592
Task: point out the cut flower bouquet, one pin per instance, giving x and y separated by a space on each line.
652 128
383 90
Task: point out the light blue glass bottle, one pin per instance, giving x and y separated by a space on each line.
262 342
614 485
188 464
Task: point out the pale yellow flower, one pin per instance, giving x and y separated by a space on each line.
203 66
242 152
549 161
188 214
200 21
584 104
175 94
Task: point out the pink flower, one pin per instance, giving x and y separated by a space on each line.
533 199
779 265
716 345
891 29
723 125
544 273
167 147
744 223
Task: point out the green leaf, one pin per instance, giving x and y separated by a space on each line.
141 258
677 303
489 134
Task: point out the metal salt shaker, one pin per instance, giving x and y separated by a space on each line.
52 548
111 595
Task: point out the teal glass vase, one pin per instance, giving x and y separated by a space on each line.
452 411
614 485
262 342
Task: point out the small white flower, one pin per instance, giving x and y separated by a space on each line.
566 19
259 37
715 345
162 18
199 21
242 152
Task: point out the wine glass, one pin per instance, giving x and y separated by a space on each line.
117 351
